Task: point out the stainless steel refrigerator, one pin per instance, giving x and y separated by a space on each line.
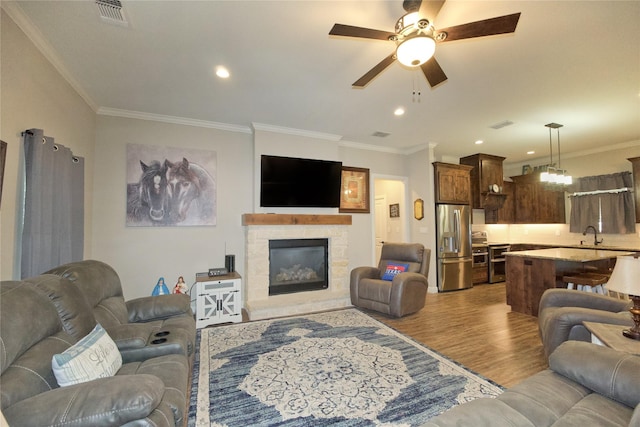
453 246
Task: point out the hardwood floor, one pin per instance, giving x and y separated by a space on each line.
476 328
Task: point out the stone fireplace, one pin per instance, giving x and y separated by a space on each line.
261 229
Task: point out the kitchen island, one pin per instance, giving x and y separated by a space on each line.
530 273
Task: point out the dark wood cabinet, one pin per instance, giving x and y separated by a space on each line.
486 172
528 277
452 183
480 274
507 213
534 203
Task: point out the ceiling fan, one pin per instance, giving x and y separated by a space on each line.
416 38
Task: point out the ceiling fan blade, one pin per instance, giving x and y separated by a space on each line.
364 80
429 9
488 27
433 72
365 33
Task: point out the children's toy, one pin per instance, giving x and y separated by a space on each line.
180 287
160 288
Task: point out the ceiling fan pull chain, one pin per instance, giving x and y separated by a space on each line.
416 89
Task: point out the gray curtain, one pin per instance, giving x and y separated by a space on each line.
616 211
53 223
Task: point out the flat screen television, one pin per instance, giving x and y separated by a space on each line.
295 182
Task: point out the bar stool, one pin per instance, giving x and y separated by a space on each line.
587 282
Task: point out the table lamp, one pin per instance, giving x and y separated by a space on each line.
626 279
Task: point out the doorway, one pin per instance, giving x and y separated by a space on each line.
391 213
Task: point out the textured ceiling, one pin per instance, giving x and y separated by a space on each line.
572 62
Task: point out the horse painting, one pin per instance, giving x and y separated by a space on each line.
192 193
148 200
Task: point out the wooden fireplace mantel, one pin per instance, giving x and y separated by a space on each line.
295 219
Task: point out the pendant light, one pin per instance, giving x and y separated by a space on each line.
555 175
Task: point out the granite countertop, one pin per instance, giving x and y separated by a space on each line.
583 246
604 247
569 254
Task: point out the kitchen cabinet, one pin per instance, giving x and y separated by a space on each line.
507 213
535 203
452 183
480 275
486 172
530 273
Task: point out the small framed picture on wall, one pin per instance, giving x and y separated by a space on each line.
394 210
354 191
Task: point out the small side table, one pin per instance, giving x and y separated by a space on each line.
611 336
218 299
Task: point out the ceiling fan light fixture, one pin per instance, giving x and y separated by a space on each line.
415 51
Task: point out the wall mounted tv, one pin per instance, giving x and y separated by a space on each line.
295 182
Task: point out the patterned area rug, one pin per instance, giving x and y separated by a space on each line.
336 368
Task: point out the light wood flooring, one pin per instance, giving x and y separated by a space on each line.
476 328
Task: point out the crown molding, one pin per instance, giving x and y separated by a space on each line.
297 132
383 149
602 149
115 112
18 16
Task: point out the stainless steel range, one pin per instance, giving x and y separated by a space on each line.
480 255
495 255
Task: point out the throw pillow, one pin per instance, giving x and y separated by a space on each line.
394 268
94 356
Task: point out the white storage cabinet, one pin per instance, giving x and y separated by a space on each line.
218 300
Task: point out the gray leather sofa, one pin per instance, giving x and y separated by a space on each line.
165 320
562 312
586 385
45 315
405 293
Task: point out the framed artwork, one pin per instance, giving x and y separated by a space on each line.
394 210
526 169
3 157
169 187
354 192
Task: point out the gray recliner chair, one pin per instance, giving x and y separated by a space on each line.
398 286
562 312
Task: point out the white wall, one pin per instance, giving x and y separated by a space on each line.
141 255
34 95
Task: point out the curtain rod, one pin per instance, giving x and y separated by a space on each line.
612 191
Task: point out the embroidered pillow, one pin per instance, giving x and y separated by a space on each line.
393 268
94 356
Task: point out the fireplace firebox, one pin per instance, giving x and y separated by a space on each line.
298 265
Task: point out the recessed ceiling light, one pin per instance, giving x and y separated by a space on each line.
531 152
399 111
478 142
222 72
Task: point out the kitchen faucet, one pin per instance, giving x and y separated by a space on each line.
595 234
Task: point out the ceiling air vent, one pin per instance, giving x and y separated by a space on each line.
111 12
502 124
380 134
